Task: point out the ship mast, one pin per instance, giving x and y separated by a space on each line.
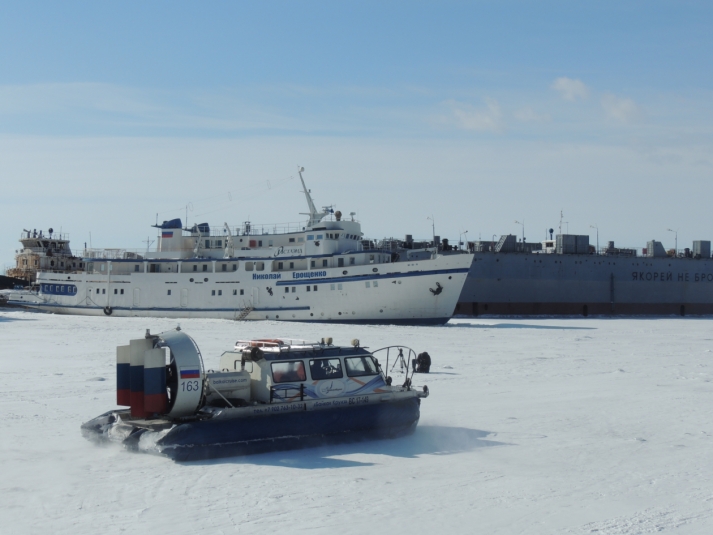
314 216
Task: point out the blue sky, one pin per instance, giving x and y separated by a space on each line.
478 113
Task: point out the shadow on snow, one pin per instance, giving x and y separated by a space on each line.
426 440
513 326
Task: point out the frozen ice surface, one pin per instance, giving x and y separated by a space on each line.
564 426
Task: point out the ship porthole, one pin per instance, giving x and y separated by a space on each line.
311 314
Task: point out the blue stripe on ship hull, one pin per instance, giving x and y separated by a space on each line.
377 276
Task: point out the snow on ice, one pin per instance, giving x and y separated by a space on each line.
562 426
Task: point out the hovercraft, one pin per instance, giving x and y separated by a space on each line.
267 394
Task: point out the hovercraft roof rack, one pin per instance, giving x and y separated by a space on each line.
280 345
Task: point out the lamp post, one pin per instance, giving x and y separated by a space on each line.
433 229
523 229
675 232
464 233
596 227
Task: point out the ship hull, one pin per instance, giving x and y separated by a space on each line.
411 293
548 284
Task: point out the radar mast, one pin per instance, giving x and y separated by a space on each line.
314 216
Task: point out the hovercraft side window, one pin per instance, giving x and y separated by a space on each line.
359 366
286 372
325 369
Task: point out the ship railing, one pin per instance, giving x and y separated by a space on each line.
26 234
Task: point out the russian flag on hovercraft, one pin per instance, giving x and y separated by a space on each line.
167 234
190 373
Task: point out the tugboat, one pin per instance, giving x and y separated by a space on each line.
267 394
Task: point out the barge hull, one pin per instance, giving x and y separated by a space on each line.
509 284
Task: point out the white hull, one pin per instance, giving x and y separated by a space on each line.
402 292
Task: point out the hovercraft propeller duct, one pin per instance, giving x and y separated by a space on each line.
153 388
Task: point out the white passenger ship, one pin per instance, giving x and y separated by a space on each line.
324 271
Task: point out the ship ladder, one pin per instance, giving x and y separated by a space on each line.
244 313
501 243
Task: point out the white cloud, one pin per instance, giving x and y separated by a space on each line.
570 89
528 115
620 109
468 117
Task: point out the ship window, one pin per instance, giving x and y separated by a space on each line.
292 240
325 369
285 372
195 267
360 366
101 266
122 291
259 243
292 265
104 290
309 287
310 237
312 263
287 289
219 243
279 265
212 292
136 267
269 243
225 267
331 286
315 288
168 292
324 263
117 291
376 284
242 292
371 258
368 284
235 267
260 266
294 289
220 292
205 267
207 244
300 240
352 260
340 262
319 236
339 286
248 266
